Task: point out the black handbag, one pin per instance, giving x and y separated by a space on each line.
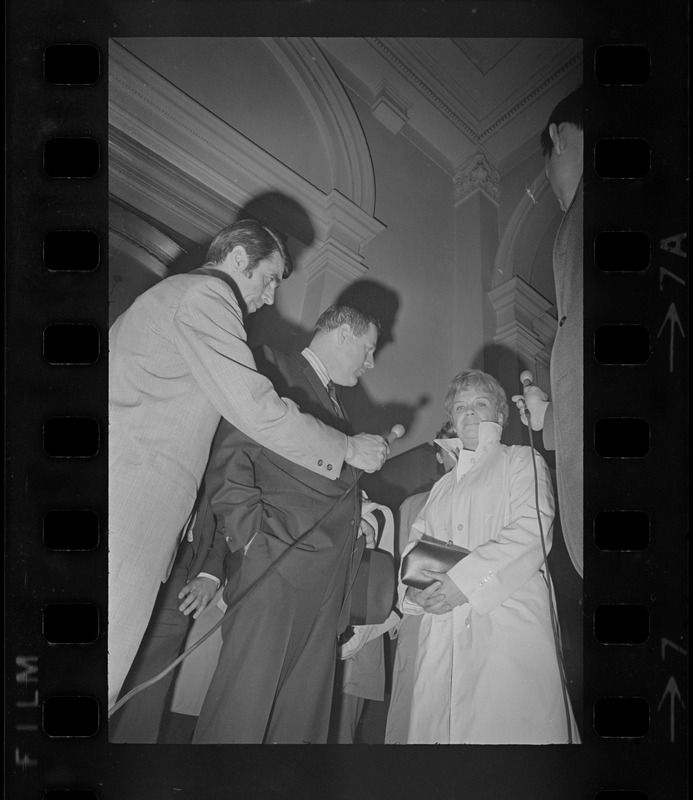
429 554
373 591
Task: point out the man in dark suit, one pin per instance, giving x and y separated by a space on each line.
251 490
275 675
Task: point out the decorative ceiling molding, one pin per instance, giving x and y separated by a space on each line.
389 108
461 94
387 50
495 51
341 132
527 99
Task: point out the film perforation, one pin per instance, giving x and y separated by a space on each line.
622 529
72 63
71 717
68 437
71 343
621 624
621 717
622 158
623 344
622 64
622 437
71 157
71 250
68 623
74 529
622 251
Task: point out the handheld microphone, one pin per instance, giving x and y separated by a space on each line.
397 432
526 378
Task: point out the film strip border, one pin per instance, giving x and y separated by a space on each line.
635 422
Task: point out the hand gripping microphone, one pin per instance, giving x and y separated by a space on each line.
526 379
397 432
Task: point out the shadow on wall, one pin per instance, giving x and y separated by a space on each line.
291 219
365 414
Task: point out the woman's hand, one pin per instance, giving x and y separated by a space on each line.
440 597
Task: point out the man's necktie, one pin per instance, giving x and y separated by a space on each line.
333 397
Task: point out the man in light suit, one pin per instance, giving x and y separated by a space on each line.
274 679
561 416
178 363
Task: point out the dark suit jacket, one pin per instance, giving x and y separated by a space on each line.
249 488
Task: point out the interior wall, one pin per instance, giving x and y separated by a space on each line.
413 257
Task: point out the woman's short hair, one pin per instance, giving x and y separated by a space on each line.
258 240
341 314
476 379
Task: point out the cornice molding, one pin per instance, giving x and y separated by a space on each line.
518 107
406 64
388 53
523 319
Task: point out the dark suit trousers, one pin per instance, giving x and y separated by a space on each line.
275 676
139 720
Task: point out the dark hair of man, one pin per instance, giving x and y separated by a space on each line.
259 242
570 110
334 316
446 432
476 379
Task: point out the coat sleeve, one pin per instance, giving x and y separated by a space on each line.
209 335
549 431
231 491
496 569
416 530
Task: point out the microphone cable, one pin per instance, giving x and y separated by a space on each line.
547 577
396 433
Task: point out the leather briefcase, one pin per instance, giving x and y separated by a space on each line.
429 554
373 591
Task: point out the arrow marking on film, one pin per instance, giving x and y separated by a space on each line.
672 317
672 691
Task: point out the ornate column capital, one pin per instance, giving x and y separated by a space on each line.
476 175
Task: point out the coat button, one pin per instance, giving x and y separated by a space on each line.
563 319
320 463
329 467
351 522
460 527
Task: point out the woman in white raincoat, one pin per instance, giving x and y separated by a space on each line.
487 670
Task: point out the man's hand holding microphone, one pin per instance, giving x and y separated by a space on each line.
367 451
532 400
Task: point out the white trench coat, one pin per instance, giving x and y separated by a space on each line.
487 672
